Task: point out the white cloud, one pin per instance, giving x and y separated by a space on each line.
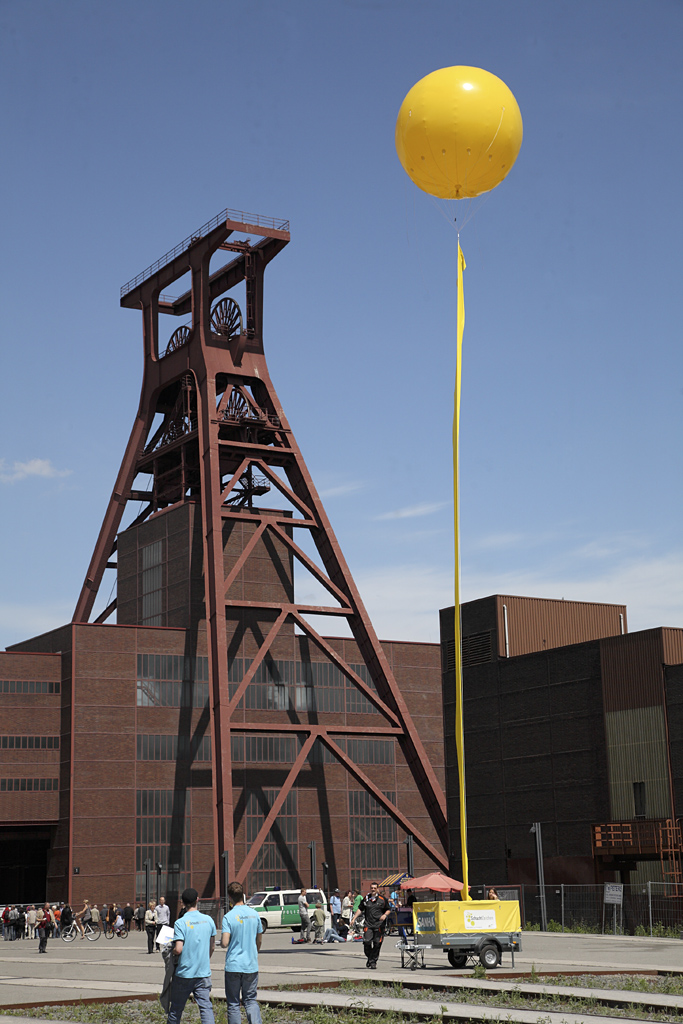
34 467
650 587
412 511
341 489
404 601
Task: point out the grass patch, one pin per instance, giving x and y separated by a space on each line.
148 1012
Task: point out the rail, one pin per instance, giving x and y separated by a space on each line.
253 219
627 837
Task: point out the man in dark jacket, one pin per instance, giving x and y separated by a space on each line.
127 915
376 910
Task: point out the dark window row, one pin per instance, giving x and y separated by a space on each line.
361 751
28 686
172 667
262 749
284 750
28 785
29 742
173 748
300 686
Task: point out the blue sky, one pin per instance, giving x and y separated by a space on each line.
127 125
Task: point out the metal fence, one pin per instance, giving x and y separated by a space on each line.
649 908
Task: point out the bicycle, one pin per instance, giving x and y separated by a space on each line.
72 931
113 930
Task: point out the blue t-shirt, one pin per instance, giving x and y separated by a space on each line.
194 930
244 925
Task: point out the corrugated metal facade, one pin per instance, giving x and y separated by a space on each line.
638 756
538 624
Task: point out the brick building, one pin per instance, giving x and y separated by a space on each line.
111 761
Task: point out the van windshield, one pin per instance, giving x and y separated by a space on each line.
257 899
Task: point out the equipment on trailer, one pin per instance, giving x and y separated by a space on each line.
472 929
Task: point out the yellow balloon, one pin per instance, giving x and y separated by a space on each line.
458 132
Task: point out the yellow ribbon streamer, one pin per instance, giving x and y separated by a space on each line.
459 730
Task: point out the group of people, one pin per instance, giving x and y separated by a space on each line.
28 921
194 940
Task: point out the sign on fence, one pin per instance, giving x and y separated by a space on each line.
614 893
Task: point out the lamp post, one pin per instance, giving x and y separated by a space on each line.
540 873
311 847
148 869
159 870
411 863
226 877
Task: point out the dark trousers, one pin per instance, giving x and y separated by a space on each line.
42 936
151 930
372 943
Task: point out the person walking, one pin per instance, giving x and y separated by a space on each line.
150 926
140 917
43 928
95 917
127 916
319 923
112 914
162 915
335 908
303 914
242 934
376 910
194 939
57 914
105 911
31 922
347 908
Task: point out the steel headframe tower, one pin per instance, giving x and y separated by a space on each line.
222 439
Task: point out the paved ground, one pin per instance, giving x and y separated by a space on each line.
87 970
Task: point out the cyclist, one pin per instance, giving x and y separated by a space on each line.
83 918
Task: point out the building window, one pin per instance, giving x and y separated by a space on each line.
300 686
265 749
172 681
173 748
639 800
151 556
29 742
29 785
361 751
277 862
28 686
163 837
374 837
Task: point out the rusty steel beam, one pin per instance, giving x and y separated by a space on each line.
398 816
212 447
337 660
275 809
262 651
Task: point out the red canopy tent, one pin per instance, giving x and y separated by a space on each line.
435 880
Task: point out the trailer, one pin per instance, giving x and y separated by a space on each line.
464 930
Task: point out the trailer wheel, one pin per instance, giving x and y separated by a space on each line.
489 956
456 959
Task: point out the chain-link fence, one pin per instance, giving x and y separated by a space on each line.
650 908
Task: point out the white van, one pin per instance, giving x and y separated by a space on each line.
279 908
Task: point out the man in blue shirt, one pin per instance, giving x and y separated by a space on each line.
194 938
242 934
335 908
